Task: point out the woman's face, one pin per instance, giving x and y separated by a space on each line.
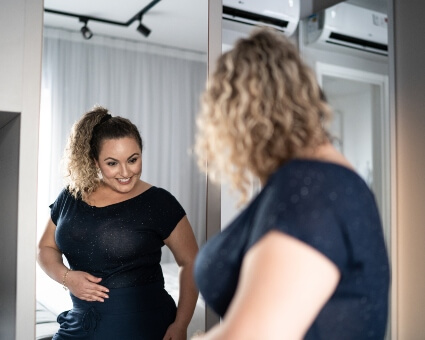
120 162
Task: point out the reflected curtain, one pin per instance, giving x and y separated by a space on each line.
156 87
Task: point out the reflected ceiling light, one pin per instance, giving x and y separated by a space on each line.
85 31
143 29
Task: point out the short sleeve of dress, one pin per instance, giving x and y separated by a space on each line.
169 212
58 205
305 208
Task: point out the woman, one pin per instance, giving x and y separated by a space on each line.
306 258
110 226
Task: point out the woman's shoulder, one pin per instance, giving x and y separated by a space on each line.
162 198
64 201
305 188
310 172
160 193
65 194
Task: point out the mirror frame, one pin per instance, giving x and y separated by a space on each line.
213 210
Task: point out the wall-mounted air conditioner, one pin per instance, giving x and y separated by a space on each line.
351 26
241 16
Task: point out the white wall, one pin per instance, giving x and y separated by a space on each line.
357 131
21 23
354 113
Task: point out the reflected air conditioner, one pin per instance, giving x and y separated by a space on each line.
240 17
350 26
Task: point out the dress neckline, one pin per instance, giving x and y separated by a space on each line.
118 203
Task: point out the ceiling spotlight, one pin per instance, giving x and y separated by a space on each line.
143 29
85 31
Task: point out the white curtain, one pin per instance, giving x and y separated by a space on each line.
156 87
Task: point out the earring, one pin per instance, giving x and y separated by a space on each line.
99 173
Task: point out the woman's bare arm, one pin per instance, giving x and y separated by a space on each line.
183 245
83 285
49 256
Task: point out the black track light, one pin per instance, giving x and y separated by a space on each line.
85 31
143 29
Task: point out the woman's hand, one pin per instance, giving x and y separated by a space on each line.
86 286
175 332
83 285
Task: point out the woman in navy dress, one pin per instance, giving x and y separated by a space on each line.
306 257
110 225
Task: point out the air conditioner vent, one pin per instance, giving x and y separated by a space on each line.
241 16
342 39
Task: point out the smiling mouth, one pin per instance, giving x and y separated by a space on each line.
124 180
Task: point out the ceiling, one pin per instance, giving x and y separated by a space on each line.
181 24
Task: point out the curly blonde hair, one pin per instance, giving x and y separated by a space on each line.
84 145
263 107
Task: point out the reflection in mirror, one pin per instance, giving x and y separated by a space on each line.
155 82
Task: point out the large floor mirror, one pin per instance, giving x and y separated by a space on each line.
154 77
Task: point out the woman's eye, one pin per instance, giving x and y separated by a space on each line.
133 160
111 163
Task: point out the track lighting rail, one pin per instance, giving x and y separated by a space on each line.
86 18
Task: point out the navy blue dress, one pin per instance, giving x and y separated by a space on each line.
330 208
121 243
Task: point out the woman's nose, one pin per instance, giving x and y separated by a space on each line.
124 171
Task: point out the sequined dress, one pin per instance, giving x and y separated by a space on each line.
330 208
121 243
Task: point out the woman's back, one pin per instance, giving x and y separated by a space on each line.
330 208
